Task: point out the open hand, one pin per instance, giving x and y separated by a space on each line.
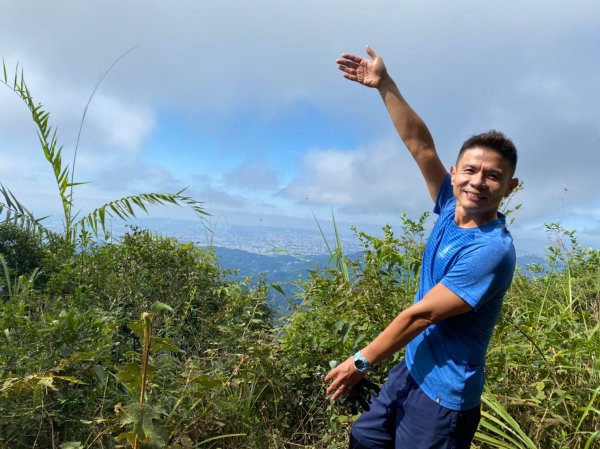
343 378
369 72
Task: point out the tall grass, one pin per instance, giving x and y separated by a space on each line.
544 360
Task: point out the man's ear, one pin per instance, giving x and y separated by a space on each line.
512 185
452 174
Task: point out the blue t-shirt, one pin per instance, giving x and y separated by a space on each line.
477 264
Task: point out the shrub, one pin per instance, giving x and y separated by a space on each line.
21 249
70 355
337 317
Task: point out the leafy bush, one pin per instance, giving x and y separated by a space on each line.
337 317
543 365
22 250
70 355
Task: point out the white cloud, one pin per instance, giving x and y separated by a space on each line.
381 178
113 129
253 174
590 211
206 54
215 198
114 123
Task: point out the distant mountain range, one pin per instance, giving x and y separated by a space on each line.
282 269
275 267
285 269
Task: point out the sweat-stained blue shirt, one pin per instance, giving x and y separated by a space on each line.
477 264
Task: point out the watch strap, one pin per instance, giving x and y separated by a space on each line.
362 364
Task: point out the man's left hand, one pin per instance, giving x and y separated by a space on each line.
343 378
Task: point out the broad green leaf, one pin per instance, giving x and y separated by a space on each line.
206 381
143 418
82 356
127 436
71 379
278 288
100 374
137 327
160 307
163 344
71 445
130 374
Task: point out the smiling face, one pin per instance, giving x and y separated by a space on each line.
481 178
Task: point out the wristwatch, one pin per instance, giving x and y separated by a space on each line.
361 364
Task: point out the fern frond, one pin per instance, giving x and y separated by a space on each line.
124 208
47 138
14 212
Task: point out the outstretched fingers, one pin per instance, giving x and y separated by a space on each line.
343 378
339 383
350 57
338 389
348 73
349 66
347 63
369 71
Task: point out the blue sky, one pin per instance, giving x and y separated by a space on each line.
242 103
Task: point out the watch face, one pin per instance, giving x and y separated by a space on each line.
361 364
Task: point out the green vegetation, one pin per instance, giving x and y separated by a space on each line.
146 315
147 343
89 333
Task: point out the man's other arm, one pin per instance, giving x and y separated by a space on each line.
438 304
411 128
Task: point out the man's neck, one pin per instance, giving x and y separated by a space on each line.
466 220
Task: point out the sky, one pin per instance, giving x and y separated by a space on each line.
242 103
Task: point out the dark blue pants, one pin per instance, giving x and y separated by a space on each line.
403 417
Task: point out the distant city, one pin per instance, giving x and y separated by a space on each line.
303 244
254 239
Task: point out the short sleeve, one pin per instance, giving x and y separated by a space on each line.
481 273
444 195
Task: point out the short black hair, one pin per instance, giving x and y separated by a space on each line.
495 141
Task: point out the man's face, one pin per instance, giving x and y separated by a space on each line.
480 180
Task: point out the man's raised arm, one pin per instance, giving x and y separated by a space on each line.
410 127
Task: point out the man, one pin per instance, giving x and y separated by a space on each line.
432 398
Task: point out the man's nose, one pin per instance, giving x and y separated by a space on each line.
477 180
